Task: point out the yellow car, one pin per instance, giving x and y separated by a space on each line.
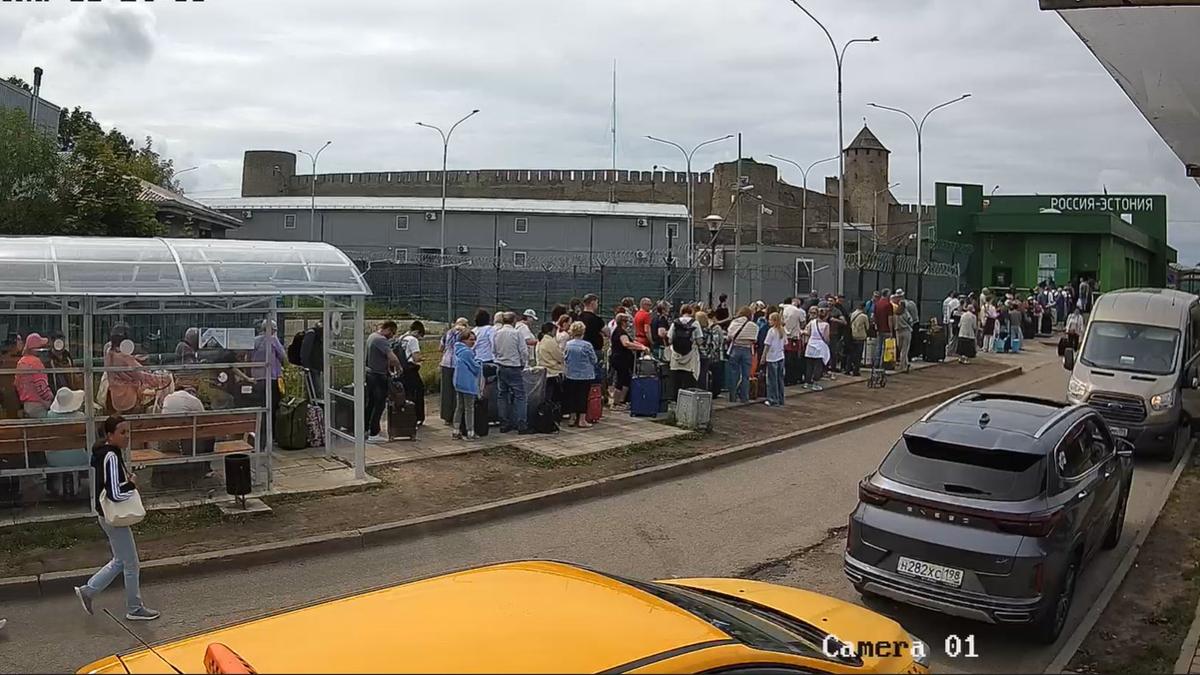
549 617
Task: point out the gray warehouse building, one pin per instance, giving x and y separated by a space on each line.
509 233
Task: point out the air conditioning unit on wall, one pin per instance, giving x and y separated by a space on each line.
431 216
247 215
642 255
643 222
463 250
706 258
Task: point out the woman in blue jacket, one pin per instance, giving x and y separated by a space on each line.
580 358
466 383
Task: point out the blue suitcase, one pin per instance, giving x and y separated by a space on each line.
644 395
1016 344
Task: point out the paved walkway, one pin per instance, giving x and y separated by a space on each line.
316 470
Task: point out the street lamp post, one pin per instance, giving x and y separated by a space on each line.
920 127
445 157
804 194
714 223
312 210
687 156
840 56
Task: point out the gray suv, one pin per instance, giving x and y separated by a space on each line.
988 507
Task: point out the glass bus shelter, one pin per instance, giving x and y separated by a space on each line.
93 326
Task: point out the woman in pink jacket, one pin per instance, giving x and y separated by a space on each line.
33 386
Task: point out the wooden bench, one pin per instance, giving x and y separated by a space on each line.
17 440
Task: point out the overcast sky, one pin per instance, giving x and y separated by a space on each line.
208 81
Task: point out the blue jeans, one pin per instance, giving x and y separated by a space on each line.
512 398
739 374
775 382
124 561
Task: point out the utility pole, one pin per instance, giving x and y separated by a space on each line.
737 195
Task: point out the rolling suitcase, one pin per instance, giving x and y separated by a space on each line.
545 419
935 348
535 389
595 404
666 387
716 378
401 421
481 419
291 424
793 367
645 396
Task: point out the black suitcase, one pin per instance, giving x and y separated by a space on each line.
666 386
402 421
917 349
935 348
481 419
793 368
716 378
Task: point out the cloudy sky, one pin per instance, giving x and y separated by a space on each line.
210 80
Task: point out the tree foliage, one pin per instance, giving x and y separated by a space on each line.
82 183
91 190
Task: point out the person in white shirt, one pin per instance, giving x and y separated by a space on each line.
773 357
512 357
182 402
948 306
968 324
793 317
529 320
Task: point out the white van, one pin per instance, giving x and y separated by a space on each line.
1137 366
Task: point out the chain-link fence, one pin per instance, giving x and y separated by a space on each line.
421 290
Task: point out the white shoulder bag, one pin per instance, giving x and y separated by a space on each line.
125 513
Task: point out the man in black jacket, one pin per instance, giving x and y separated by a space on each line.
312 357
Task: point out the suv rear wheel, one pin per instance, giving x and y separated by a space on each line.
1049 624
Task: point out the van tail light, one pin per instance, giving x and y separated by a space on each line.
1034 525
869 494
1039 577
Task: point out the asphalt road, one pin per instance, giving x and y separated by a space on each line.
778 518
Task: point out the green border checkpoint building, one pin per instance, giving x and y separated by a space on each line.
1019 240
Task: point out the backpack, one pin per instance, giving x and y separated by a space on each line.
682 342
293 350
402 354
545 418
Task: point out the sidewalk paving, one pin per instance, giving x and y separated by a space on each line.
411 489
316 470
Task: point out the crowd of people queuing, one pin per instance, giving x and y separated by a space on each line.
749 352
994 318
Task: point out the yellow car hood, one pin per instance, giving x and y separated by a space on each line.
849 622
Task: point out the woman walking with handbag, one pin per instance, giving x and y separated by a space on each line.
120 507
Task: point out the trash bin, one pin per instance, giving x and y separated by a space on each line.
238 480
693 409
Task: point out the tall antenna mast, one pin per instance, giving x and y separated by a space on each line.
612 189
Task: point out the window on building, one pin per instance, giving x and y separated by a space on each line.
401 255
401 223
804 276
954 195
672 231
519 258
289 221
521 225
430 255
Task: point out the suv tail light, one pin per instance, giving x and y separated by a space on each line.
1034 525
869 494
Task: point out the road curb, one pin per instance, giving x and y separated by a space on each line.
25 587
1064 655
